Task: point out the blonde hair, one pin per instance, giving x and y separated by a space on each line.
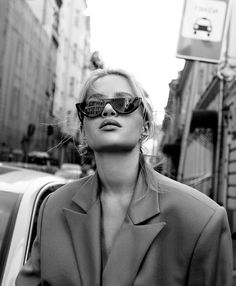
137 89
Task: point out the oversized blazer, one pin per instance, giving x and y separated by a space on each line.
172 235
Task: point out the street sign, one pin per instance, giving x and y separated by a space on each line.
202 30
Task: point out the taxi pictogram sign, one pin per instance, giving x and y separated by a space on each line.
202 30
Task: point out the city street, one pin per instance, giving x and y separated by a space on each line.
58 111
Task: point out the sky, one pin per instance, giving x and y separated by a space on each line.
141 37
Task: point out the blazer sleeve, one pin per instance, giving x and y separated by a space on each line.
30 274
212 260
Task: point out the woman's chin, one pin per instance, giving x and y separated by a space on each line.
114 148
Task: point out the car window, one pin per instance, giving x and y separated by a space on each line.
9 205
33 229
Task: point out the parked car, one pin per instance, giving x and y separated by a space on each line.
69 171
37 160
41 161
21 194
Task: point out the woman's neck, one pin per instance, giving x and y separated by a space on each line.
118 172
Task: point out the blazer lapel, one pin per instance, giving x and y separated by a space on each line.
135 236
85 232
128 252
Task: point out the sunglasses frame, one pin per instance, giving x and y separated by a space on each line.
81 113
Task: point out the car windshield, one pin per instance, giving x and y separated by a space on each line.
9 204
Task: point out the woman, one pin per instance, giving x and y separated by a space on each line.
127 224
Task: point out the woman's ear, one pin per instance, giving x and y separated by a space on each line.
145 128
82 131
81 127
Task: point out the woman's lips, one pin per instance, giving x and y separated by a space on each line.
107 122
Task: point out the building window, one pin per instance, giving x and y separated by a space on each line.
66 48
15 109
77 18
55 24
201 86
75 49
72 85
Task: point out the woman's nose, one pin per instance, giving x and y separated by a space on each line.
108 111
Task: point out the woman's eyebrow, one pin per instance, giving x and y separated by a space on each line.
95 95
124 93
98 95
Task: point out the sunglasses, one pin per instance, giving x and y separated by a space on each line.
94 108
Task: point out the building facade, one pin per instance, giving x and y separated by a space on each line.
27 68
41 67
200 138
72 68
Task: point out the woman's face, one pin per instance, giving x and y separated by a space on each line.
112 132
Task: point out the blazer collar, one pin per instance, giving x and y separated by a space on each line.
144 204
136 233
84 227
88 192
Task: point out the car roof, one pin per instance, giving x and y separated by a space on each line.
39 154
70 165
19 180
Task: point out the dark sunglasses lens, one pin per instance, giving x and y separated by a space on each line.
119 104
128 105
93 108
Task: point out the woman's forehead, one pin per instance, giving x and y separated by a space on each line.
110 84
